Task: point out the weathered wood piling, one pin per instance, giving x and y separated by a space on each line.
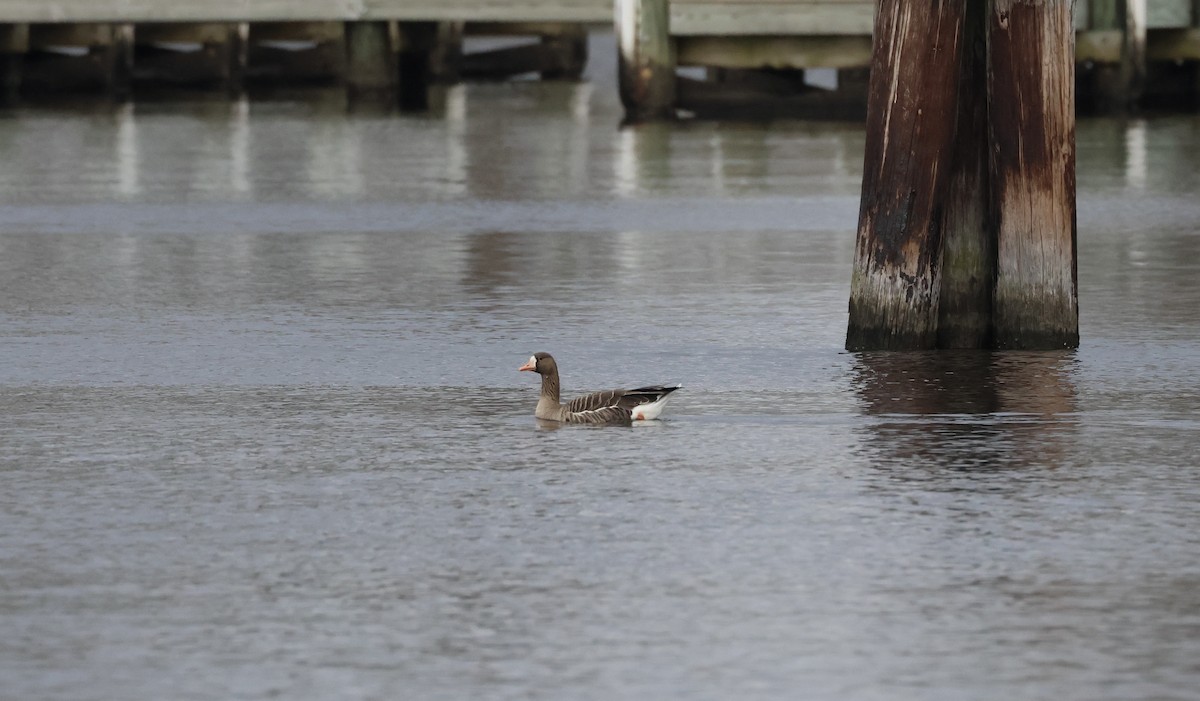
1117 84
913 101
968 243
1031 128
370 68
645 59
952 252
14 44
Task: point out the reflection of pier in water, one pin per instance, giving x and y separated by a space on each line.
967 410
408 180
312 149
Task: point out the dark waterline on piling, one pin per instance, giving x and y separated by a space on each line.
264 435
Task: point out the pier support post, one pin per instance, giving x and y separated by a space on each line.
369 67
1196 63
966 234
1117 87
968 237
911 118
1031 125
646 59
446 61
117 59
233 53
568 52
416 42
14 44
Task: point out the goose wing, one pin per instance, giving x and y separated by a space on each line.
603 415
624 398
646 395
596 400
605 407
616 405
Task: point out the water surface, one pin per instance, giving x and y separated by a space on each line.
264 435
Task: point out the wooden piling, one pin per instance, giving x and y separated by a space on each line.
968 238
1118 86
911 118
1031 98
1195 63
446 60
14 44
370 70
415 46
966 232
117 61
235 56
646 59
568 52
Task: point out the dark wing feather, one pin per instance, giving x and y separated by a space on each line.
646 395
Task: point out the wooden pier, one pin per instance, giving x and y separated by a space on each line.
373 46
752 55
756 51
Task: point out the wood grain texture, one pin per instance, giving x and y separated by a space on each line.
911 119
645 60
1031 97
968 259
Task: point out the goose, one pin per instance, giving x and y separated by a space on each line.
613 406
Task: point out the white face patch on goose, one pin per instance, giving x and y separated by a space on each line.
533 362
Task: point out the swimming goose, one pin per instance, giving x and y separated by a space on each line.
613 406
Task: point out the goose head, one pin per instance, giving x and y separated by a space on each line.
541 363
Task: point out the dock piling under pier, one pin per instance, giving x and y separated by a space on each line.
14 44
397 47
757 55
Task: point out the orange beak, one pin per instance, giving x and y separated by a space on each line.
527 366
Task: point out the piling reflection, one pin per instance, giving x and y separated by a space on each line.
537 265
967 410
1139 155
125 153
493 261
643 158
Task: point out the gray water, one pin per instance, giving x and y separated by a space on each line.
263 434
